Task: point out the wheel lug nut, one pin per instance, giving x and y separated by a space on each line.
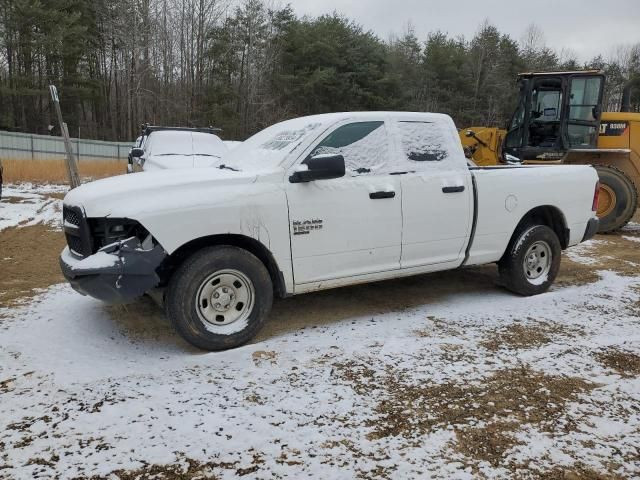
216 295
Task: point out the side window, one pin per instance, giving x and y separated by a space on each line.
363 145
422 142
585 93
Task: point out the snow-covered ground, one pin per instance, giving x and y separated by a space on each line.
442 376
88 389
26 204
584 253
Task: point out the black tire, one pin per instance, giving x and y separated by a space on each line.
530 278
197 276
621 196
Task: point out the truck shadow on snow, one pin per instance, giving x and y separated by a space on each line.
145 322
378 298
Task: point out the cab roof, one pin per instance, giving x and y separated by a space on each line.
566 73
147 129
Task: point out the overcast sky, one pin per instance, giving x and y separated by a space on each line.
587 27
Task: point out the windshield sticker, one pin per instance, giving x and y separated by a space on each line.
286 138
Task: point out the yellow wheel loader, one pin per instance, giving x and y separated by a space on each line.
559 119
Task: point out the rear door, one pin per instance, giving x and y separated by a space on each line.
437 193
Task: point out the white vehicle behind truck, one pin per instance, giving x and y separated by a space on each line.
315 203
160 148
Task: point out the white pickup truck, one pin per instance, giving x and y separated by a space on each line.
315 203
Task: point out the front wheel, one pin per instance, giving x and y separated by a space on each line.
531 262
219 297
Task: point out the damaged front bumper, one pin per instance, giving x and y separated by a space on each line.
117 273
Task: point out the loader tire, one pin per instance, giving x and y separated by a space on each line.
618 199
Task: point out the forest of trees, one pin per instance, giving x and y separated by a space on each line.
244 65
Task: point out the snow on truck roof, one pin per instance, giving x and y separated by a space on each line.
338 116
271 146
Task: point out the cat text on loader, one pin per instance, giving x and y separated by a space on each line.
559 119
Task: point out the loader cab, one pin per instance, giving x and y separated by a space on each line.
556 112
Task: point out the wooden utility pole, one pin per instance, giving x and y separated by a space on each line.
72 166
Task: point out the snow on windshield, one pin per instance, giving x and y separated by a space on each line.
167 142
268 148
207 144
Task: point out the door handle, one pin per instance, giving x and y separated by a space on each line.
457 189
380 195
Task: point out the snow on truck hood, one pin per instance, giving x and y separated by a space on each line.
128 195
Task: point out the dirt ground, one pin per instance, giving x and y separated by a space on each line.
485 418
28 262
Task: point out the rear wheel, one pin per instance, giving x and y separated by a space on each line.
531 262
618 199
219 298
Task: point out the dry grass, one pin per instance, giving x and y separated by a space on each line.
626 364
485 415
186 468
519 336
55 171
29 261
490 443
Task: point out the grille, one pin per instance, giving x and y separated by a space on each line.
71 216
75 244
76 231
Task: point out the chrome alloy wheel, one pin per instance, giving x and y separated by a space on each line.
537 262
225 297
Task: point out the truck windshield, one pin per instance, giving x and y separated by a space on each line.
268 148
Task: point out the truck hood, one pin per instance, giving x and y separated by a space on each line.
129 196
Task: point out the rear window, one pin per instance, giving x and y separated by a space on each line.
422 142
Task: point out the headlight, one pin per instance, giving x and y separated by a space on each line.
105 231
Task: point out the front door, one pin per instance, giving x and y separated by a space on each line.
584 110
352 225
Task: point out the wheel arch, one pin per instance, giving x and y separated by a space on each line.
249 244
548 215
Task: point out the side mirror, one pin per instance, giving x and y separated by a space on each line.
137 152
512 160
320 167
